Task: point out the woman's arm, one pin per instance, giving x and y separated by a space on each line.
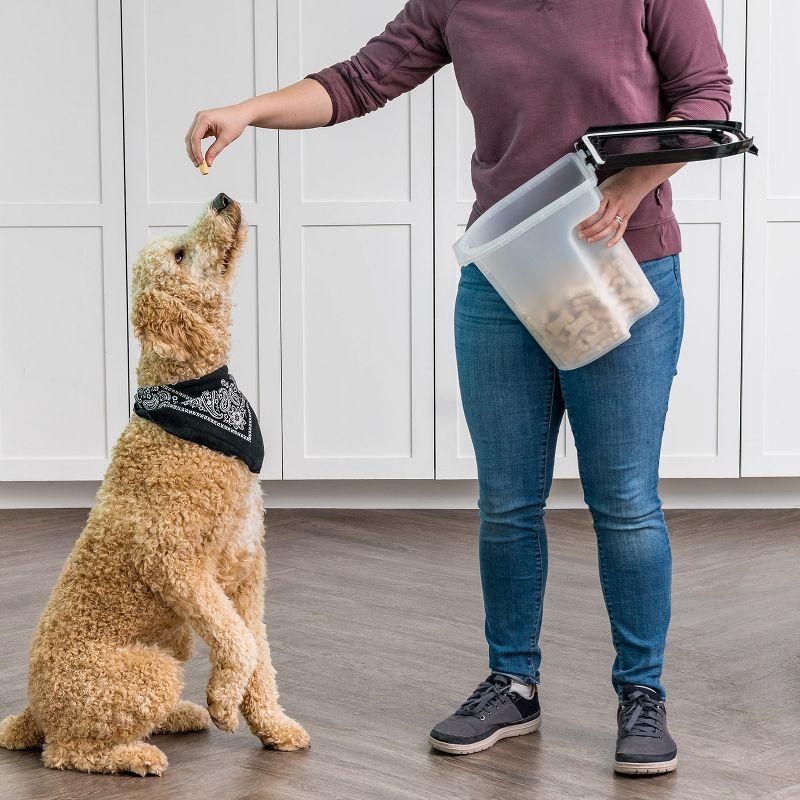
695 85
302 105
407 53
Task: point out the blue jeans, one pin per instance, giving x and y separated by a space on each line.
514 398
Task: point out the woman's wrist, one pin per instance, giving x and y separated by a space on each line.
643 180
251 111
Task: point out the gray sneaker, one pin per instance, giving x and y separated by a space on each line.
492 712
644 746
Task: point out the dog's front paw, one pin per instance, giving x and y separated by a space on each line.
223 709
224 717
285 734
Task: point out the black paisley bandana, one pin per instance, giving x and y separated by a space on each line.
209 410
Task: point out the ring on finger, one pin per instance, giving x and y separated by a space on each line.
618 219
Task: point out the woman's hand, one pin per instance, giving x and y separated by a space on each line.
622 194
225 124
305 104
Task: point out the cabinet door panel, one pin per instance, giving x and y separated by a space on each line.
770 422
357 273
62 277
692 429
53 361
57 77
357 375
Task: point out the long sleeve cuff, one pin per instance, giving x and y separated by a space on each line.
325 78
700 108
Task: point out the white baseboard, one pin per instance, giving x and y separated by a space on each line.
676 493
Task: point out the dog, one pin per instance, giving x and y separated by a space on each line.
172 549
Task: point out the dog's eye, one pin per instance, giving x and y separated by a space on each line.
178 256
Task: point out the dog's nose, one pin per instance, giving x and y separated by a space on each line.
221 202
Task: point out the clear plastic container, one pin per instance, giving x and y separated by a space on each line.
578 300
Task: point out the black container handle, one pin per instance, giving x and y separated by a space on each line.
724 139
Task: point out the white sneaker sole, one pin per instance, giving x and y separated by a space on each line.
476 747
655 768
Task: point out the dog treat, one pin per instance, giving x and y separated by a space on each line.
203 167
594 315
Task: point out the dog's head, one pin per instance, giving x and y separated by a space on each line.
181 295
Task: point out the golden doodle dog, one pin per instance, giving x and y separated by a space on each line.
172 548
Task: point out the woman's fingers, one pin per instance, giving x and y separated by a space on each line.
224 124
188 144
200 128
199 132
598 215
605 226
189 138
620 230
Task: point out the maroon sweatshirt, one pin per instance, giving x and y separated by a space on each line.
536 73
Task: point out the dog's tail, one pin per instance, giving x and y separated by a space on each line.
20 732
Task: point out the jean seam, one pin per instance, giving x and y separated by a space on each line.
679 334
537 623
603 583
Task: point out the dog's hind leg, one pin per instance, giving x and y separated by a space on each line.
260 706
20 732
138 757
179 642
102 703
185 718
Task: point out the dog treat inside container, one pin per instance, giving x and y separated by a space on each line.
594 316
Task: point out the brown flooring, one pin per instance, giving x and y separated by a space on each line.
375 622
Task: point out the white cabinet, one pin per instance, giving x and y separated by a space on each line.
771 377
702 431
179 57
63 395
356 267
343 330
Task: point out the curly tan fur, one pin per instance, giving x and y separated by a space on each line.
172 548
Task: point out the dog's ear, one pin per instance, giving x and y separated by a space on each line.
170 328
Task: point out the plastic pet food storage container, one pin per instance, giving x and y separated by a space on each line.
579 300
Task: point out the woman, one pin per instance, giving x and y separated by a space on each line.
535 74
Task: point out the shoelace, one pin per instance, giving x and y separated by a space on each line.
488 695
643 716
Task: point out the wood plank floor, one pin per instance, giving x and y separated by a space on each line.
375 621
